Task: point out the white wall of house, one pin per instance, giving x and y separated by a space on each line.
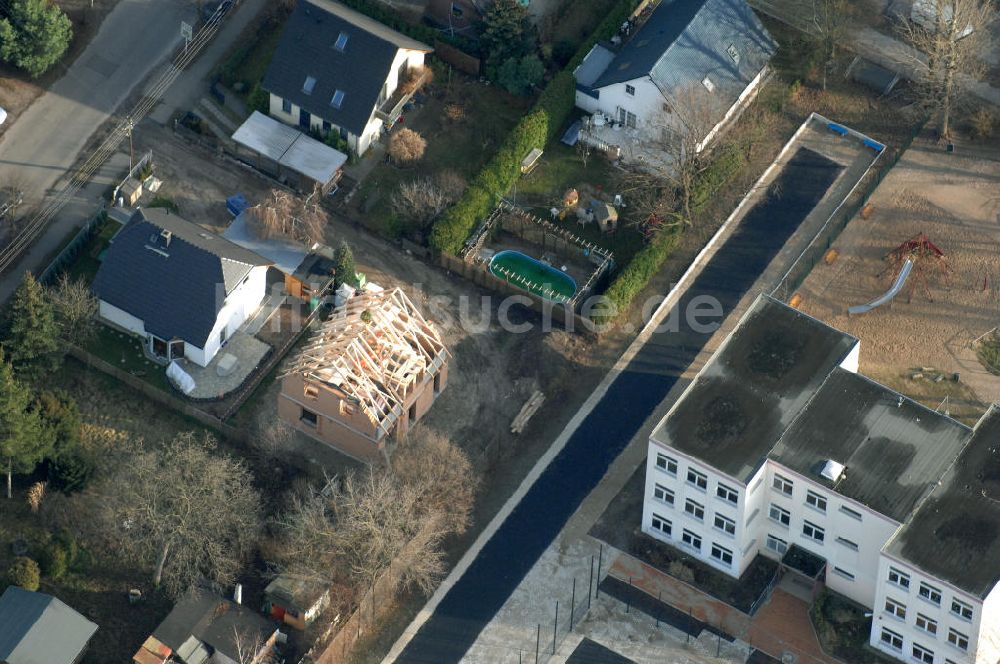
121 318
359 144
240 305
906 593
646 103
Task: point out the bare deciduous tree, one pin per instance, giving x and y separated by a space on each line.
288 215
419 201
76 308
406 145
182 510
831 23
952 37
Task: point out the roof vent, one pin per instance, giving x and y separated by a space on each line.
832 470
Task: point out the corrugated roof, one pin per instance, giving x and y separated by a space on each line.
894 449
955 534
290 147
36 628
307 49
754 386
178 286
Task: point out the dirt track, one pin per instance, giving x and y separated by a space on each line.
953 199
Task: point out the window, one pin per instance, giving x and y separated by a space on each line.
726 525
957 639
892 639
816 501
663 494
722 554
922 654
346 409
851 513
630 90
691 539
848 543
661 524
901 579
813 532
844 573
337 99
631 120
930 593
777 544
309 85
779 514
311 392
727 494
309 417
895 609
697 479
695 509
961 609
665 463
733 53
926 624
783 485
327 127
341 41
707 82
286 106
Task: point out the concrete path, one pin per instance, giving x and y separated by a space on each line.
134 27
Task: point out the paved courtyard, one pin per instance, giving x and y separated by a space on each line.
249 352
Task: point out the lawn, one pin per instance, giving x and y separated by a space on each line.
88 260
125 352
843 629
561 169
247 62
460 145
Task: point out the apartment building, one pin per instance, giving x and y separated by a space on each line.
780 448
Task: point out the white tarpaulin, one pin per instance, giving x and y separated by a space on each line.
180 378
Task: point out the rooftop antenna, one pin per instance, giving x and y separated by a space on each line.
900 401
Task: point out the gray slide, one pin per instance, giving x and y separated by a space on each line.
888 295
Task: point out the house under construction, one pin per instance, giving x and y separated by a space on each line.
366 376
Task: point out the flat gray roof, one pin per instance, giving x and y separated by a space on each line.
289 147
894 449
754 386
955 534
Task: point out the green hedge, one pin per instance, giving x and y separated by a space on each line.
423 33
722 169
635 276
607 29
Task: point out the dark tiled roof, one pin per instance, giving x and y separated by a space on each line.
37 628
955 534
213 620
753 387
360 70
683 41
894 450
176 288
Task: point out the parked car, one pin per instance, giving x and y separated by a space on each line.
3 115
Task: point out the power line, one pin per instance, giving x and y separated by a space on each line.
12 252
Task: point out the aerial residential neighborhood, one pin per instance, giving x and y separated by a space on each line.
500 331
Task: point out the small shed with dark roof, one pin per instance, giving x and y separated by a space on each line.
36 628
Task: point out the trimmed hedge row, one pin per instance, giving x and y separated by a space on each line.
722 169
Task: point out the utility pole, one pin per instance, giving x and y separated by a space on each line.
129 127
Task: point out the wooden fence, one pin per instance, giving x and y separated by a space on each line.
457 58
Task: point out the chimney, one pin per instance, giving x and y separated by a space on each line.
166 235
238 593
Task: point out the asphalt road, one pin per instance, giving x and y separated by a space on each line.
533 524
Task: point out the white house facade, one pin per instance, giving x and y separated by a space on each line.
779 448
336 70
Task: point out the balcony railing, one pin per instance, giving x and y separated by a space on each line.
392 108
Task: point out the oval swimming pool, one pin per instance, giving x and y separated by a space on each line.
533 275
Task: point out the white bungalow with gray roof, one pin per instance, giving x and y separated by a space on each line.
709 55
36 628
178 286
337 70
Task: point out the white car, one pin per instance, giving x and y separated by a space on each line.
3 115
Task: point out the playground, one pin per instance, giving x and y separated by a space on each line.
917 277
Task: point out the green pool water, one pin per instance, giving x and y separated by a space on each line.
533 275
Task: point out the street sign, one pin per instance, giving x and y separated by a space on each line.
187 32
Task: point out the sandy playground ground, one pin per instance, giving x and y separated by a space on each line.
955 200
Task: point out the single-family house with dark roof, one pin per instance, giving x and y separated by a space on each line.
36 628
183 289
205 628
338 70
703 58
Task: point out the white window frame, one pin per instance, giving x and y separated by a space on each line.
630 90
780 546
728 525
895 608
699 481
694 509
926 624
727 493
955 637
931 592
853 546
922 653
893 637
962 608
668 465
783 485
662 494
689 537
723 552
816 501
902 579
844 573
782 512
662 522
854 514
816 530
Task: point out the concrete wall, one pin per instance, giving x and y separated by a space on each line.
946 620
